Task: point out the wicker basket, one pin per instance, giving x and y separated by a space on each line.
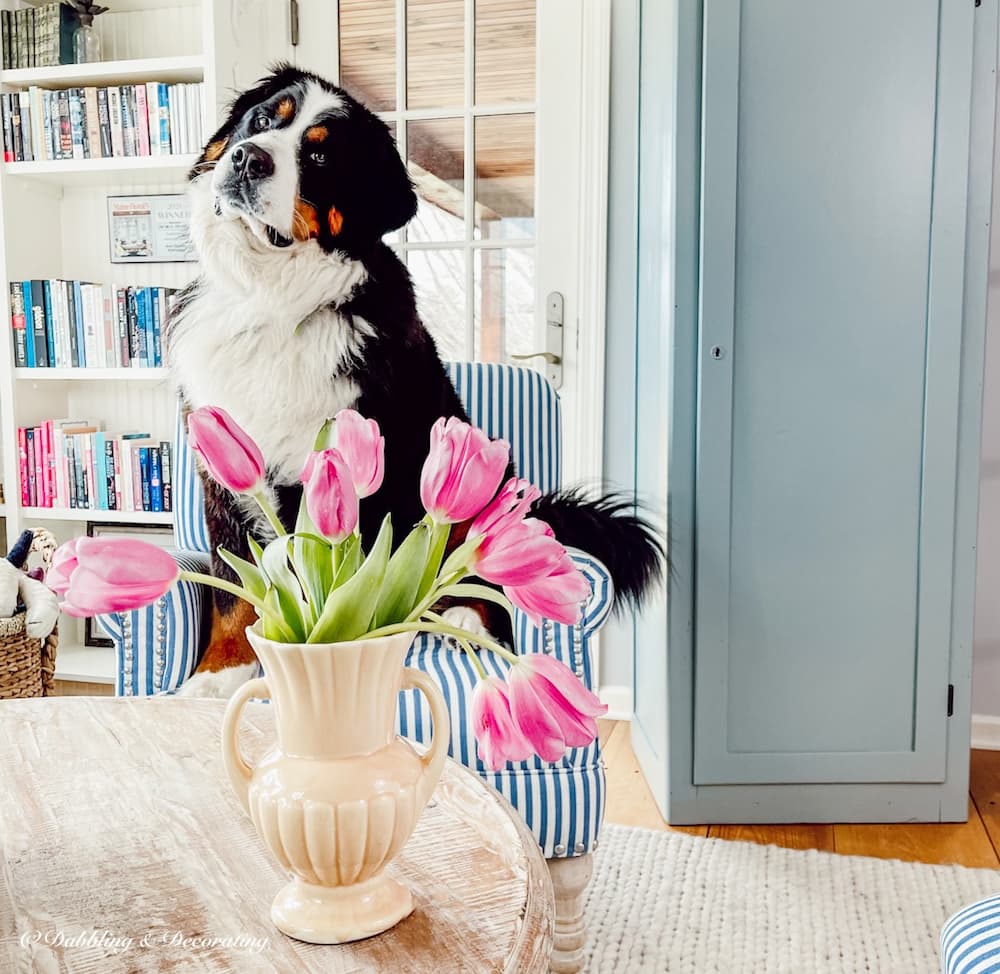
28 665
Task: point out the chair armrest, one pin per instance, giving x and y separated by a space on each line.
158 647
571 644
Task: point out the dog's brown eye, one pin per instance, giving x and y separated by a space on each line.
318 157
260 123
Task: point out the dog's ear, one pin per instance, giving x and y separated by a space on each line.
282 75
394 201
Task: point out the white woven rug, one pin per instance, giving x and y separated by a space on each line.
669 902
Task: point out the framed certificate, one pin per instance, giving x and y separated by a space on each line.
150 229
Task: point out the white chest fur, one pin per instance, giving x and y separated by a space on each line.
279 378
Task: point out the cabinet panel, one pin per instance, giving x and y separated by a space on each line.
834 197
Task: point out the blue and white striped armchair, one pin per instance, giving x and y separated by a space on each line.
563 803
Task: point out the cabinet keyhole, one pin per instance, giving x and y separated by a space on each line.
717 351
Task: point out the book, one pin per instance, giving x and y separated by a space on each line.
29 325
22 459
166 475
104 123
17 324
27 134
8 130
76 123
153 117
38 324
141 121
128 123
155 481
32 481
115 114
65 125
92 113
5 31
163 99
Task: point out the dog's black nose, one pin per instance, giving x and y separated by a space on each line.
252 162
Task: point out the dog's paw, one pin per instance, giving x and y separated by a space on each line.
467 618
218 684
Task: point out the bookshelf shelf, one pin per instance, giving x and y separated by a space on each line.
144 169
97 517
91 375
85 664
167 69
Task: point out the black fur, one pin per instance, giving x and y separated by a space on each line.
403 383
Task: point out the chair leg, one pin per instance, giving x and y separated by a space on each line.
569 881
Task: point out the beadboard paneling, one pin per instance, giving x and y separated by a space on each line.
153 31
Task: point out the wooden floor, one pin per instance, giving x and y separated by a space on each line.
972 843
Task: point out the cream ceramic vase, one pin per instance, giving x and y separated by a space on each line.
339 794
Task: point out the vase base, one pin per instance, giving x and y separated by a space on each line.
340 914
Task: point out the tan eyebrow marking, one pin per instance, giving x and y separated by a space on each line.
317 133
215 149
336 220
286 109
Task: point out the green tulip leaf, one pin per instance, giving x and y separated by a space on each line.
346 559
403 576
438 543
249 574
350 608
283 581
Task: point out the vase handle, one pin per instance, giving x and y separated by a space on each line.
240 772
433 759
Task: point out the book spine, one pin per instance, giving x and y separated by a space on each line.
155 481
133 328
59 456
140 327
17 324
147 311
128 125
100 476
89 491
72 491
65 22
65 126
93 349
141 120
22 459
5 32
104 123
29 325
163 99
50 143
38 320
156 297
27 129
92 114
109 475
19 39
59 329
50 462
116 447
53 319
144 473
79 470
121 326
39 133
125 463
153 117
166 475
8 131
32 51
77 351
41 467
136 480
76 123
16 131
115 115
32 495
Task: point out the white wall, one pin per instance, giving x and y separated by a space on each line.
986 662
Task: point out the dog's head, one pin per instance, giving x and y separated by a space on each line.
300 162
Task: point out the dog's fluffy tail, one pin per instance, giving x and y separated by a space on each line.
608 528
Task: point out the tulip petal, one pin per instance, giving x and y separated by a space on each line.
563 679
537 725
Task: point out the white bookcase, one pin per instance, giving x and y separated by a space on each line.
54 225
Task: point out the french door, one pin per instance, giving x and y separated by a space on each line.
489 102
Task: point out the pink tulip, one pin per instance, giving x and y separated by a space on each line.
64 561
511 504
551 707
462 471
363 447
331 500
557 596
97 575
517 552
230 456
497 736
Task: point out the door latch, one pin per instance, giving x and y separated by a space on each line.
293 21
553 351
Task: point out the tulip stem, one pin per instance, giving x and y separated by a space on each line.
264 503
241 593
443 629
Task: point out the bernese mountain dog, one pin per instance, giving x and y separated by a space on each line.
301 310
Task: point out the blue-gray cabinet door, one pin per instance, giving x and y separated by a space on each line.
835 158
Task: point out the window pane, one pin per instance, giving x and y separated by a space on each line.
505 51
439 280
505 176
435 53
437 159
505 303
368 52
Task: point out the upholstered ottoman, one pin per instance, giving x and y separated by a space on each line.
970 940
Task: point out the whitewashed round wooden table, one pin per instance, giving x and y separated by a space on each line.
123 850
